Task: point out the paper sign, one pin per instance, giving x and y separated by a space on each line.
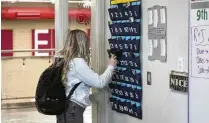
162 16
163 48
150 18
155 43
150 47
155 18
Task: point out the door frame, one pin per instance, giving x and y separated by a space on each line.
99 58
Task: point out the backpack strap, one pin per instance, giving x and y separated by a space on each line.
68 97
72 90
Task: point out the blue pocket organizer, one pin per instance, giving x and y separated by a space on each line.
126 86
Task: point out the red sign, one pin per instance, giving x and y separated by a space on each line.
82 19
43 39
6 41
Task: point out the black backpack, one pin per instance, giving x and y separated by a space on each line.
50 98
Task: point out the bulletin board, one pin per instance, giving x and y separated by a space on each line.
157 33
126 85
199 62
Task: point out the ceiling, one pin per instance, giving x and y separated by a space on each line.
72 4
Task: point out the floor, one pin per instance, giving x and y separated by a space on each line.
30 115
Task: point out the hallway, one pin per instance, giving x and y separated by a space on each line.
30 115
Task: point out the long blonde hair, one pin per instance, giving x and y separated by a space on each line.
76 46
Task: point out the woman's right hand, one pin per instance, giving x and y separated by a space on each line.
113 61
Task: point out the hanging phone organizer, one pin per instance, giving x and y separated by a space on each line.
126 86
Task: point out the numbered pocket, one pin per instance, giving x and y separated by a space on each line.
115 105
116 77
130 109
136 11
134 45
121 104
126 92
137 110
126 13
116 89
120 93
126 107
115 44
115 29
111 86
131 92
112 44
129 62
116 14
113 13
131 46
128 77
112 100
137 76
138 94
134 29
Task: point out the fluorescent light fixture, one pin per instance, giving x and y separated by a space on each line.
46 1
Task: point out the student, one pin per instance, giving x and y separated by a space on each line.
76 69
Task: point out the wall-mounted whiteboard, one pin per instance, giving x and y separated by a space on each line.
200 51
199 62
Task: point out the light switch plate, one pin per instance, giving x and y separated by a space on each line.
149 78
180 64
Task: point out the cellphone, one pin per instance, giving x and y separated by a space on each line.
117 53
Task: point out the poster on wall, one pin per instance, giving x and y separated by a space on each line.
6 41
199 40
157 33
43 39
